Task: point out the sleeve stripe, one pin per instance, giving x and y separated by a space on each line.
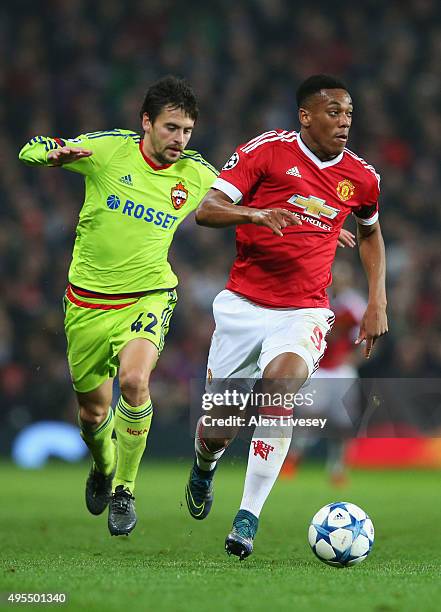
102 133
105 134
365 165
230 190
198 157
284 136
115 132
200 160
260 137
49 143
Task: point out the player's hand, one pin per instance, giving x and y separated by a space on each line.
66 155
346 238
274 218
373 325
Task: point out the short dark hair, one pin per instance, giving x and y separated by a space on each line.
316 83
169 91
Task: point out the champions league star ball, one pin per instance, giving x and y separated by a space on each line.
341 534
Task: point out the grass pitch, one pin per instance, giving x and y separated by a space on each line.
49 543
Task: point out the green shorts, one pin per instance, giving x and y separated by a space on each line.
97 330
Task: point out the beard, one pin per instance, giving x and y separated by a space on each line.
172 157
165 156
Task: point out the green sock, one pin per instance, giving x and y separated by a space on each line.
99 442
132 426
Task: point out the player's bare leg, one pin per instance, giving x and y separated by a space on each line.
96 422
286 373
133 415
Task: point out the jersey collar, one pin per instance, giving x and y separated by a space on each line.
150 162
318 162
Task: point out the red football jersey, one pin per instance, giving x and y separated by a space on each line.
277 170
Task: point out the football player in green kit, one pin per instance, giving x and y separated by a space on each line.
121 291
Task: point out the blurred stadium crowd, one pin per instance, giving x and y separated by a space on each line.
84 65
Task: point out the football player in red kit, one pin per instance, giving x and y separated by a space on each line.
289 194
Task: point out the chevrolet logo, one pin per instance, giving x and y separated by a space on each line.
316 207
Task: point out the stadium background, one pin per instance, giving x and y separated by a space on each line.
77 66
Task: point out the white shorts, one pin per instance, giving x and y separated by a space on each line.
248 336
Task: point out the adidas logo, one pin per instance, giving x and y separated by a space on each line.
127 180
294 171
339 516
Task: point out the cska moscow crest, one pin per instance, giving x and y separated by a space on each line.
179 195
345 190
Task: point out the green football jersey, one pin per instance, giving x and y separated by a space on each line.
131 209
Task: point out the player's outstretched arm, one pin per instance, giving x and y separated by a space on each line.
372 254
218 210
87 154
45 151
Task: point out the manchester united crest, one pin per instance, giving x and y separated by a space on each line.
179 195
345 190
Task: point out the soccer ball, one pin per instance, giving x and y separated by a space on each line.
341 534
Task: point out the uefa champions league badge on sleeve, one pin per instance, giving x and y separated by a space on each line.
232 162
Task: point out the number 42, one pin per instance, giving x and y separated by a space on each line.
138 324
